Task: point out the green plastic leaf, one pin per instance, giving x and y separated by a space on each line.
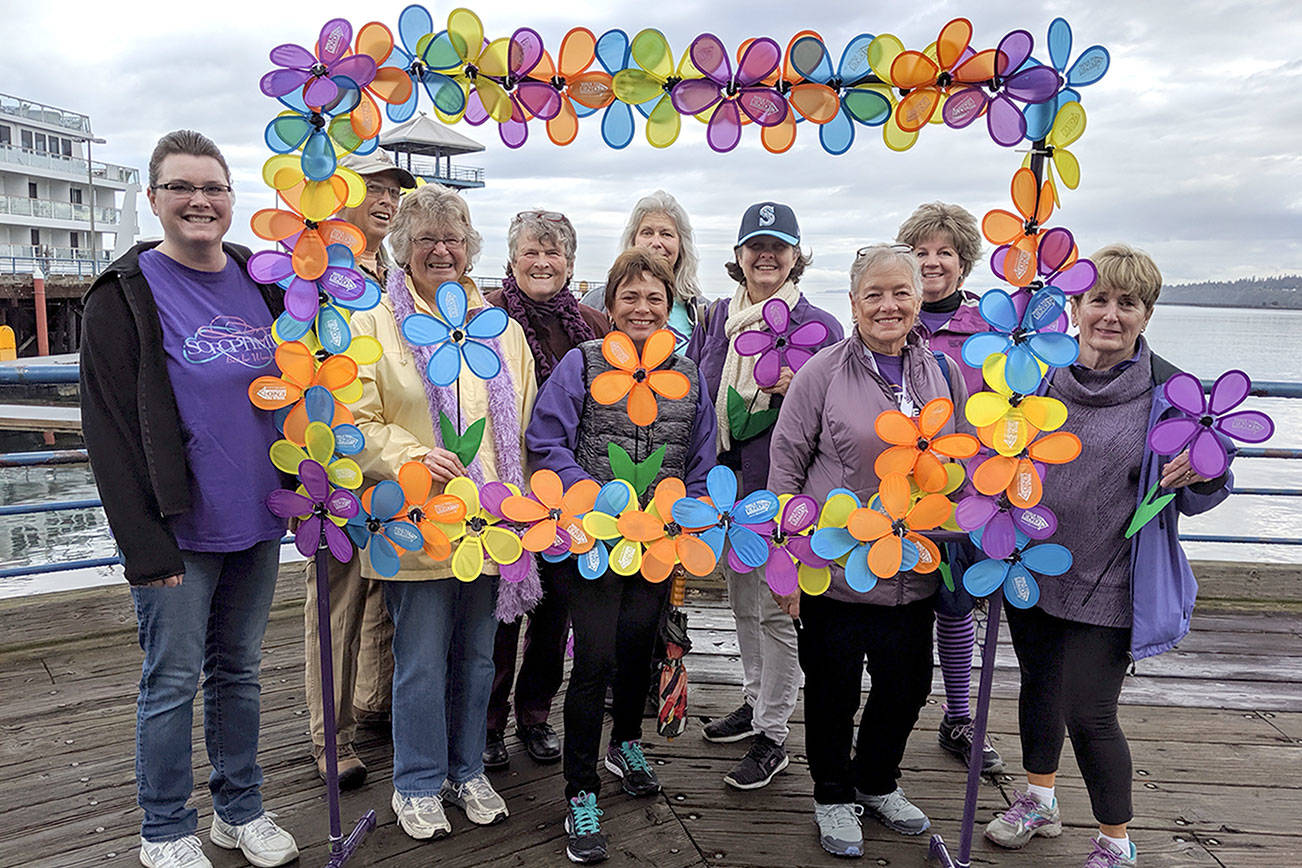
1148 510
743 424
947 575
639 474
621 465
647 470
464 446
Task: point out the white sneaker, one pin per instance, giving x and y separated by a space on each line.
421 817
261 841
482 804
184 852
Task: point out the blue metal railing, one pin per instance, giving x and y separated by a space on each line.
38 373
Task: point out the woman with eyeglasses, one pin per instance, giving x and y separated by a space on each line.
825 438
180 458
443 628
536 294
767 264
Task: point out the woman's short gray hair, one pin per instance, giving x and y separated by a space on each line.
886 254
437 205
686 284
543 227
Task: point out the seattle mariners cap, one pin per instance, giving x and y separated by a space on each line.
769 218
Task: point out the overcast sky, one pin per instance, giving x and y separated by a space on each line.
1192 148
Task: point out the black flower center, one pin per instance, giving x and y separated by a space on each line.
923 444
639 375
1206 421
416 514
673 529
319 69
458 335
554 514
476 524
374 525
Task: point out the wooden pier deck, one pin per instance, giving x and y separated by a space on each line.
1215 728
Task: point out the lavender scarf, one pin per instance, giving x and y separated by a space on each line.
513 598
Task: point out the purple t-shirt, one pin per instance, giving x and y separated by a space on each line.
936 321
891 368
217 336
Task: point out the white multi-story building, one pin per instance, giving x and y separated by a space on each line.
58 208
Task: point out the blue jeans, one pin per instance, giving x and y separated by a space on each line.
443 633
211 623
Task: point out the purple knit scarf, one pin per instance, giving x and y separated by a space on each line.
513 598
524 310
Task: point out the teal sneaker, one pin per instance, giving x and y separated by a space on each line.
584 843
628 763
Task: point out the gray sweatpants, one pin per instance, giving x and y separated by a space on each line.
766 636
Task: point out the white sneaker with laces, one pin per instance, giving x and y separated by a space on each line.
421 817
482 804
261 841
184 852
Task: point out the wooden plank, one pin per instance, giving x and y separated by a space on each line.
32 417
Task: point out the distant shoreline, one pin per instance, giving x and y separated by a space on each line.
1175 302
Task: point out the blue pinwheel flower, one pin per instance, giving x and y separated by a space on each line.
381 524
321 407
862 98
1090 66
455 338
1025 340
340 290
416 33
730 519
1014 571
321 508
612 500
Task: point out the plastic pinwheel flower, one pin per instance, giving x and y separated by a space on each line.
581 90
1013 571
391 85
553 514
381 527
779 345
330 329
601 524
859 97
1009 418
431 513
739 522
1025 340
456 338
322 508
1000 521
917 442
1015 81
928 80
729 94
667 542
1090 66
637 378
650 83
416 32
791 562
478 536
528 98
809 100
491 497
321 134
318 74
477 66
1021 231
1068 126
303 298
1016 475
1059 265
1203 418
325 445
307 227
299 372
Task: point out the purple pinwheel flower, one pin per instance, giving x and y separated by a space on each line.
456 338
1202 419
1016 81
1000 522
318 508
491 496
725 92
1058 266
331 320
781 345
739 521
790 545
316 73
303 298
1025 339
381 524
529 98
1013 571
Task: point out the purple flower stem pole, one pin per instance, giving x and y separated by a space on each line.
341 849
938 850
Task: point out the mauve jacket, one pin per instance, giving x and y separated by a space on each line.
965 322
824 438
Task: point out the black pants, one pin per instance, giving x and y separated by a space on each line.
1071 680
543 667
835 640
615 620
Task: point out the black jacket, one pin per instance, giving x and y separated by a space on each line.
129 417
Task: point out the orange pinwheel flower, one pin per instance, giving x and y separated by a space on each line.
1016 475
311 202
551 509
1035 205
916 444
427 512
299 372
637 378
888 532
667 543
928 81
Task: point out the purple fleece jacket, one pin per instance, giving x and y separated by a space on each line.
948 339
709 347
552 433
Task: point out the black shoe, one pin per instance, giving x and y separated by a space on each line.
733 726
379 721
540 741
626 761
584 841
496 756
764 760
955 736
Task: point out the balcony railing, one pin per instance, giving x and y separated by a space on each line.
52 209
440 171
17 156
69 260
30 110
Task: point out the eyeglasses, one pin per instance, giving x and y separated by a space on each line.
893 247
550 216
378 190
186 190
424 242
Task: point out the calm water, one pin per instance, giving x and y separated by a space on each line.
1205 341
